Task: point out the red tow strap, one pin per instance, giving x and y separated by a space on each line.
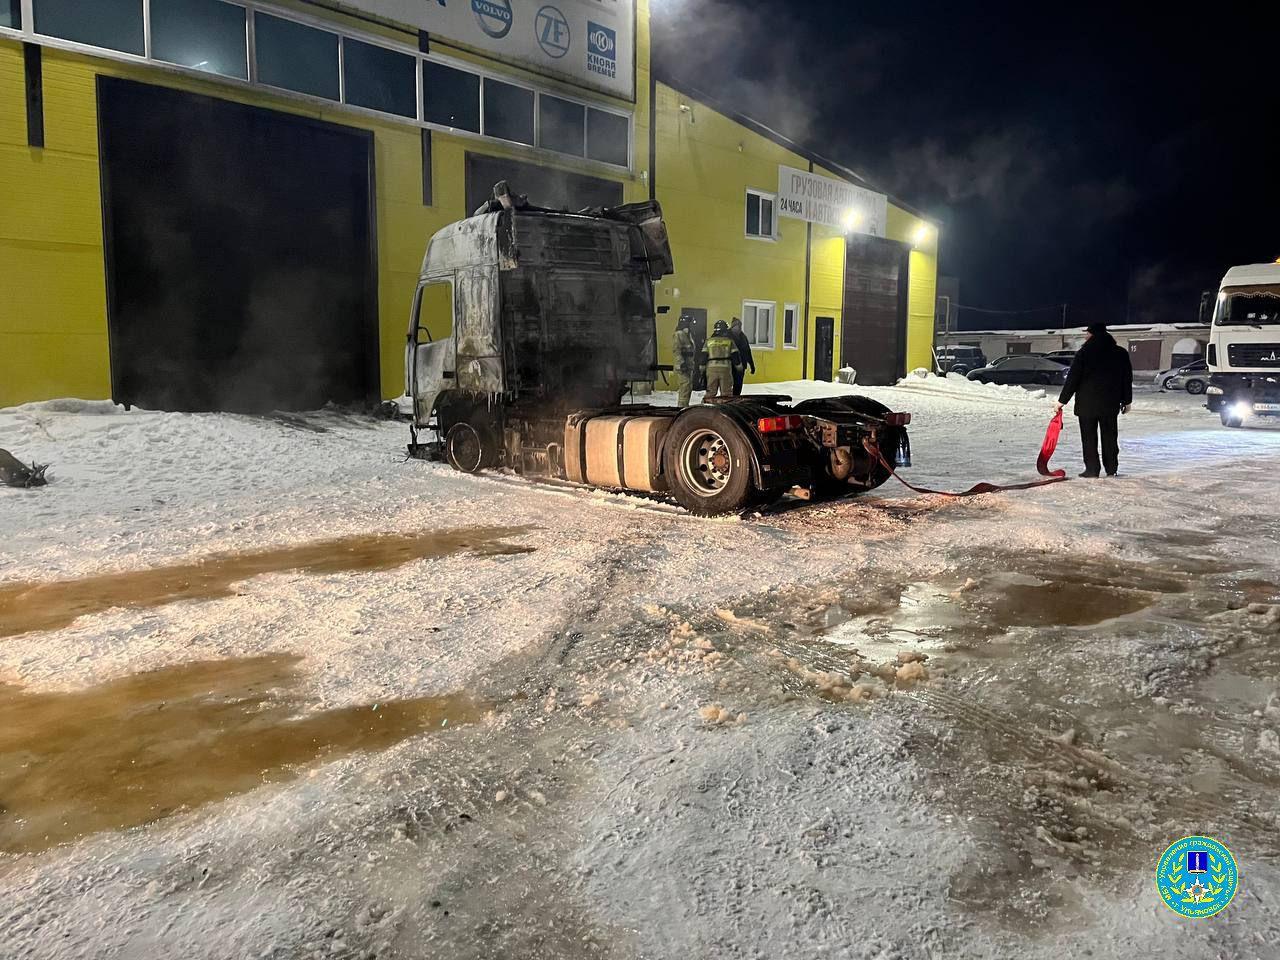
1042 466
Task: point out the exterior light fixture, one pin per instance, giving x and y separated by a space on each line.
920 235
851 220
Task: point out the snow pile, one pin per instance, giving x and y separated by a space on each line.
953 384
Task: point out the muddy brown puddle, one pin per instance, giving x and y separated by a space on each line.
25 607
144 747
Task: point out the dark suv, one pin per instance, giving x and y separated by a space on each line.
960 359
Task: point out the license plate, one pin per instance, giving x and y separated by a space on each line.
1266 406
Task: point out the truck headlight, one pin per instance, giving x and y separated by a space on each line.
1214 391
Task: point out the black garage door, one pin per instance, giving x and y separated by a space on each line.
873 332
241 263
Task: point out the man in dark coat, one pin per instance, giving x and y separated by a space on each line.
1101 380
744 356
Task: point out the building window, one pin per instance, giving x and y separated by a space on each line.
607 138
561 125
113 24
379 79
204 35
11 14
296 57
790 327
757 322
760 219
508 112
450 97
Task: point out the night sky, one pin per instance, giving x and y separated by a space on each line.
1117 158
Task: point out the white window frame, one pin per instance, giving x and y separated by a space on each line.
794 344
772 306
763 195
252 7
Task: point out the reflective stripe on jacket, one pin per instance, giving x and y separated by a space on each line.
720 350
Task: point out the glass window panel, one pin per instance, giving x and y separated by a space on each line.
112 24
766 217
11 14
607 135
378 78
201 34
561 124
451 97
294 56
753 215
508 112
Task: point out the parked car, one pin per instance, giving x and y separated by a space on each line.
1022 369
960 359
1193 378
1062 356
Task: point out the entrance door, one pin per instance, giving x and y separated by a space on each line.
698 330
1145 354
824 343
873 338
240 263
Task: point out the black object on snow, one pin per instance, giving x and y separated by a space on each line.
15 473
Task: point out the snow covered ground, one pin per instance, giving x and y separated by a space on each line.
577 724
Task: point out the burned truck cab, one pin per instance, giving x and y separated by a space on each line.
521 318
528 328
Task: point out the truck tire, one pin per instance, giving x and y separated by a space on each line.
708 463
469 447
1230 420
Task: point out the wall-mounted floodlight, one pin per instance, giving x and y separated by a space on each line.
852 220
921 234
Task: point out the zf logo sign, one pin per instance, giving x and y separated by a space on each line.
602 50
494 16
553 32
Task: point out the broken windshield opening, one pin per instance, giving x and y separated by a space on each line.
1257 305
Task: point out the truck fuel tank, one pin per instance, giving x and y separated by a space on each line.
619 452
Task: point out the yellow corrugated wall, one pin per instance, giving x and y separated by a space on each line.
705 163
53 311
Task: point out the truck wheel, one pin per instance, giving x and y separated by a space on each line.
708 463
1230 420
1195 387
467 449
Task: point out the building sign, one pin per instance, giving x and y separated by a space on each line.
831 203
588 42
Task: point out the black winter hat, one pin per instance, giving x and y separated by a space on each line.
1097 328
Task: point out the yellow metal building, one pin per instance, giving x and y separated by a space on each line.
558 97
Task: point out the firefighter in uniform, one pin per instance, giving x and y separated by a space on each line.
722 357
685 353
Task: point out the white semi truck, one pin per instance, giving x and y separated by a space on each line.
1244 345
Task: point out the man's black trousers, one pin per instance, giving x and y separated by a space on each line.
1109 430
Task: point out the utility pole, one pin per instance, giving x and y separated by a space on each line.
1062 327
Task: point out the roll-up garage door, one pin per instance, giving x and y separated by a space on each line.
873 331
241 263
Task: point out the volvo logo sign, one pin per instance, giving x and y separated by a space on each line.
494 16
553 32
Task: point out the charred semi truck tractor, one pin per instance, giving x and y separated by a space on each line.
543 320
1244 346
